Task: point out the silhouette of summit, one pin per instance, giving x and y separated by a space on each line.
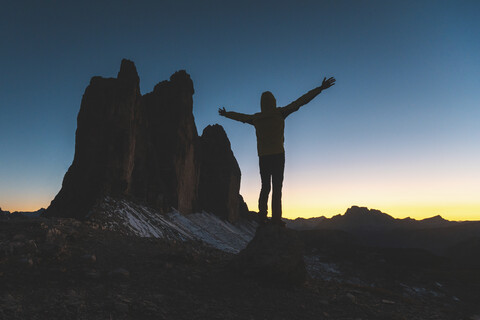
146 148
363 217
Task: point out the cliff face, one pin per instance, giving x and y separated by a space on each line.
104 143
147 148
165 174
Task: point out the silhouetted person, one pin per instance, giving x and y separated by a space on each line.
269 126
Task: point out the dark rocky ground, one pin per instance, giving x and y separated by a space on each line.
65 269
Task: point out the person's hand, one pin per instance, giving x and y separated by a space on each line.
222 112
327 83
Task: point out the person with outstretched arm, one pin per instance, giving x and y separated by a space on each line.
269 127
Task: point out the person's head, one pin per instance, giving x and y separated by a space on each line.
267 102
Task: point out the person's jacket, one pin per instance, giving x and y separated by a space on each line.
269 127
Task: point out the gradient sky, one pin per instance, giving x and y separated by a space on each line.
399 131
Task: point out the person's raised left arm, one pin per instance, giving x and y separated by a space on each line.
307 97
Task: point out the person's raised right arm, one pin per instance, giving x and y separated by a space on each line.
245 118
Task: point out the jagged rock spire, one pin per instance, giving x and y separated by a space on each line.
146 148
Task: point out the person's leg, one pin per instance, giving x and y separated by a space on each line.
265 175
277 182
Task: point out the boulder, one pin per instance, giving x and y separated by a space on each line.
275 255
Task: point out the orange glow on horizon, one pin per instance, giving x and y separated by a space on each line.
297 209
25 205
401 190
25 208
449 212
297 204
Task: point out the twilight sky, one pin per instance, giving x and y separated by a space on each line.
399 131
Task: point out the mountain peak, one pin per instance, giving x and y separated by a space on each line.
128 71
362 217
182 78
437 218
363 211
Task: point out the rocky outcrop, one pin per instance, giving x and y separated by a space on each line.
147 148
219 175
275 255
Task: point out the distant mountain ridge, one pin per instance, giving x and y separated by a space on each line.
363 218
370 227
36 213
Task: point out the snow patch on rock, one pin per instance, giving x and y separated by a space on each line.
134 219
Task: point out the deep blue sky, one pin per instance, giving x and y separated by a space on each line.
399 131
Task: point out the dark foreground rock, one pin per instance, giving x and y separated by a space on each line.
275 255
66 269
